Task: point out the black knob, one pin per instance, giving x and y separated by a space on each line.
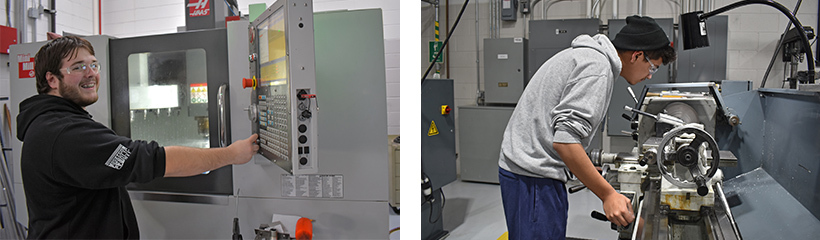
702 190
306 114
576 188
299 95
302 128
688 156
701 182
302 139
627 117
649 157
598 215
303 161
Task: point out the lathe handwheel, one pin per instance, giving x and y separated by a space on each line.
688 156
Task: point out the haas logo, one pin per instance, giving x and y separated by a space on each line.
197 8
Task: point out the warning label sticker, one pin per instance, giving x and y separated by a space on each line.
433 130
26 66
313 186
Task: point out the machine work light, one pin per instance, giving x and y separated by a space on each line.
693 27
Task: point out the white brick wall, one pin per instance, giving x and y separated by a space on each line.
753 33
76 16
129 18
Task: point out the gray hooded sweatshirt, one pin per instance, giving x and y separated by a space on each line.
565 102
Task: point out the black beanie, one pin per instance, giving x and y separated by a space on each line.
640 33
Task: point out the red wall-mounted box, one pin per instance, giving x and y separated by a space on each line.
8 36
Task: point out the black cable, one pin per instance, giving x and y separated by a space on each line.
444 45
780 46
441 209
428 184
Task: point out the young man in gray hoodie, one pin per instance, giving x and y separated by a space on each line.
554 122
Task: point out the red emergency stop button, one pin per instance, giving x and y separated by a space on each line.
445 109
249 82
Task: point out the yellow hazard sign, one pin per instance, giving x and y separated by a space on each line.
433 130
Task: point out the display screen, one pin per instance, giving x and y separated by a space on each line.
273 51
273 98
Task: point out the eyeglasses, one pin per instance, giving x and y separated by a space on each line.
81 67
652 68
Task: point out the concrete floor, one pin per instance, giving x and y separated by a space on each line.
474 211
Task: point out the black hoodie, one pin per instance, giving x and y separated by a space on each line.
75 171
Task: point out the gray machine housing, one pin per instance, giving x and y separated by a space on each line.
215 18
505 69
438 152
777 145
259 185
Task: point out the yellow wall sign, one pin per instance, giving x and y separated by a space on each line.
433 130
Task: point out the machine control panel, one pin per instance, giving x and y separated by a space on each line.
284 83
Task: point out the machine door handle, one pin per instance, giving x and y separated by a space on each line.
222 121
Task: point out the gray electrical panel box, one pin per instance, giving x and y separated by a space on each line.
620 94
509 10
481 130
505 68
708 63
548 37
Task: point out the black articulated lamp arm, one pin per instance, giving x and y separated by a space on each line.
782 9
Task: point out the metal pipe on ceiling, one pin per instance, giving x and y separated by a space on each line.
615 9
549 4
532 6
641 8
477 62
21 20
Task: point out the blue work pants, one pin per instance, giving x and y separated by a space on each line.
535 208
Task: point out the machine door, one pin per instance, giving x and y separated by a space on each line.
169 89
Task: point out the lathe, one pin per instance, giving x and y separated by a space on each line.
672 176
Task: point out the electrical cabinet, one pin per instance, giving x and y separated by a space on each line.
505 69
548 37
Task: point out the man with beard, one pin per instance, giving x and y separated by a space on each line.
75 169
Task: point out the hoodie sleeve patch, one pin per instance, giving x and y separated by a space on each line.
118 157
